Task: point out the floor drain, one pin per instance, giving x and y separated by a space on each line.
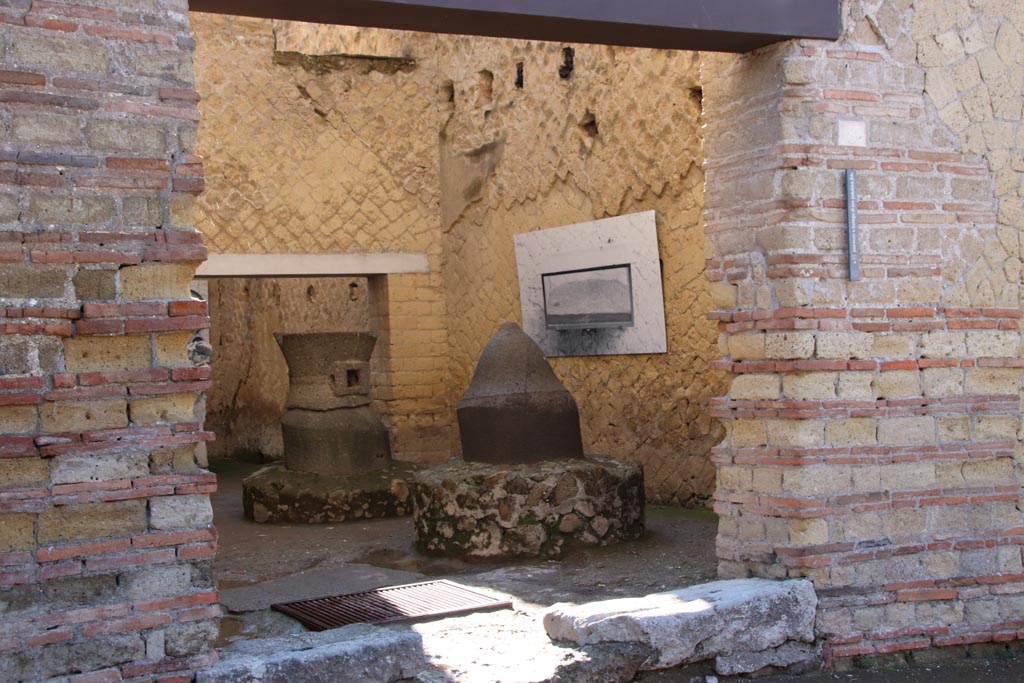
395 603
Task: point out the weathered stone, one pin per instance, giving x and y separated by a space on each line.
691 624
275 494
180 512
358 653
92 520
488 511
515 409
786 655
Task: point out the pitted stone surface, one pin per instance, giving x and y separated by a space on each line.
355 654
516 410
720 618
485 511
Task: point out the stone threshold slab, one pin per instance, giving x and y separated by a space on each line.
744 624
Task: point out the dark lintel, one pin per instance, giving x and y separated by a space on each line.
713 25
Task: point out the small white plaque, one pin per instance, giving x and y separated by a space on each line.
853 133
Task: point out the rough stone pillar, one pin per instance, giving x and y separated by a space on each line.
106 542
872 424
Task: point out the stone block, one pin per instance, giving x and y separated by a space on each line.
46 50
84 416
890 346
993 381
723 295
87 354
719 618
23 471
748 433
855 386
379 654
10 211
996 427
162 281
32 282
75 468
789 345
988 472
844 345
161 409
905 430
795 432
92 520
897 384
17 355
808 531
174 459
944 345
852 431
993 344
954 428
46 129
190 638
157 581
183 208
53 209
747 346
18 419
95 285
89 654
755 387
172 349
817 481
180 512
127 135
907 475
794 292
734 478
809 386
144 212
17 531
943 381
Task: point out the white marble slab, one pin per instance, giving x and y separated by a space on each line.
623 240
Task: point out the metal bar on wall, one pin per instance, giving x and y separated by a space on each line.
852 224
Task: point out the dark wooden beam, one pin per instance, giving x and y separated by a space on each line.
713 25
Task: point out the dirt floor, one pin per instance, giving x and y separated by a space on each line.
260 564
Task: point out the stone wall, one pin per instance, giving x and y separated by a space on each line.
873 425
445 153
106 542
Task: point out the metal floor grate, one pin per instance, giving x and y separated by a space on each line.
395 603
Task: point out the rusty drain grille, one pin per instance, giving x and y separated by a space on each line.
395 603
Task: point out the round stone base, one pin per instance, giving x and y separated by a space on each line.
276 495
485 511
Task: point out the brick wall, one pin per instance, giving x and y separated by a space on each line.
105 538
873 425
